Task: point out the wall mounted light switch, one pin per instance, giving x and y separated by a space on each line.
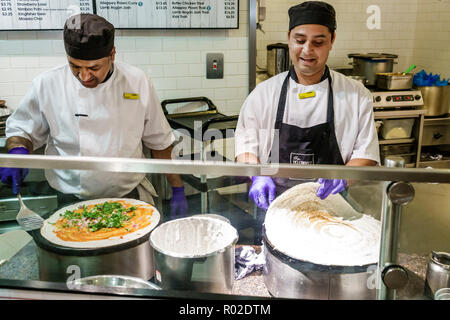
214 65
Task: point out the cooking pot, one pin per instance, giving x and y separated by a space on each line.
438 273
436 100
195 253
58 263
368 65
286 277
394 81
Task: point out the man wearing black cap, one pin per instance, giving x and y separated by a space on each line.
317 115
92 106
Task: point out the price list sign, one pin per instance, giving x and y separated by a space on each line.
123 14
167 14
39 14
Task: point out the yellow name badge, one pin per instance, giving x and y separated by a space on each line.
131 96
307 95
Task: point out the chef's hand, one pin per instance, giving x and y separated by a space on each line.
262 191
14 176
330 186
178 203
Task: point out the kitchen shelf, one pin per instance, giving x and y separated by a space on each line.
437 120
413 113
395 141
443 163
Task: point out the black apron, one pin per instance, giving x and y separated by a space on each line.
303 146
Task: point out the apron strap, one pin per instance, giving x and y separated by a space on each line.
283 95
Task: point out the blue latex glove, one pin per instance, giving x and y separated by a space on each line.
14 176
330 186
262 191
178 203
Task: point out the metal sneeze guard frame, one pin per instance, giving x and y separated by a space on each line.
224 168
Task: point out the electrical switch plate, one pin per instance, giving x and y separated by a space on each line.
214 65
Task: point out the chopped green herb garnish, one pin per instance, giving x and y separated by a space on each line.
105 215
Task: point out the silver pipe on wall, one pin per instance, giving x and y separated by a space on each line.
252 12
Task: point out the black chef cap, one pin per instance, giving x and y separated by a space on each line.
88 37
312 12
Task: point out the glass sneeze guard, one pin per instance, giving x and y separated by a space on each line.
379 176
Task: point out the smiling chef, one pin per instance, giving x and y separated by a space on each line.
319 116
92 106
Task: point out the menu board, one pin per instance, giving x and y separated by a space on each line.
141 14
40 14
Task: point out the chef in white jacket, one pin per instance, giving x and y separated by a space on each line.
93 106
308 115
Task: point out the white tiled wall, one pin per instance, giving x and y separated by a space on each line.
432 42
174 59
416 30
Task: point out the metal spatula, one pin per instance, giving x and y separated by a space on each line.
27 219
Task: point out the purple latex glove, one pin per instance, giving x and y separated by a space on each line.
330 186
14 176
262 191
178 203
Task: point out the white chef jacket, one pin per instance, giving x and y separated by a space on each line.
353 116
114 126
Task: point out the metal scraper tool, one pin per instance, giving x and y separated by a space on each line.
28 219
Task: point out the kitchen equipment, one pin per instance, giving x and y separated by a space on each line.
368 65
436 132
397 149
436 100
318 249
287 277
394 81
212 215
438 273
406 151
59 263
195 253
447 97
3 119
42 205
359 79
397 128
117 284
378 125
203 126
442 294
408 99
27 219
345 70
278 59
412 67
